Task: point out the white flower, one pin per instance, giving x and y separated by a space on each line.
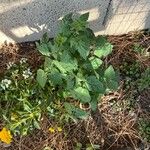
23 60
9 65
27 73
5 83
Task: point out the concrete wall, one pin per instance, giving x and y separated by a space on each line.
27 20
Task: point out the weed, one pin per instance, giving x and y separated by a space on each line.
144 129
144 82
74 65
138 48
22 101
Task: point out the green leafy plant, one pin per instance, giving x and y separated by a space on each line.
144 129
74 66
19 105
22 101
138 48
141 50
131 72
144 82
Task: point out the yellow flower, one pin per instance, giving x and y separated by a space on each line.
59 129
52 130
5 136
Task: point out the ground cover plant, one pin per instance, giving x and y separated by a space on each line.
40 105
73 65
73 69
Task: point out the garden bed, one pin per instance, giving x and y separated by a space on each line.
122 120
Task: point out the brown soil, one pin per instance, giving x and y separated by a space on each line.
108 127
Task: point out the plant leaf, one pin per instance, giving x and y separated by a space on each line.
36 124
81 114
95 85
84 17
111 78
81 94
103 47
45 38
77 112
66 25
69 108
110 73
112 85
95 62
43 49
56 78
41 78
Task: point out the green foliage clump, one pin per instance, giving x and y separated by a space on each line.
19 105
144 82
139 49
73 72
135 77
144 129
22 102
74 66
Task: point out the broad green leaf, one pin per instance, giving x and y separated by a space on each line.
79 79
110 73
111 78
94 85
56 78
78 146
78 25
67 63
64 67
95 99
43 49
93 104
82 46
112 85
87 66
60 66
100 41
67 59
83 50
84 17
47 63
65 25
81 114
68 18
90 36
77 112
103 51
41 78
45 38
81 94
70 82
103 47
95 62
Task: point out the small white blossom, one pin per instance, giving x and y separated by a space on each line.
9 65
23 60
27 73
5 83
